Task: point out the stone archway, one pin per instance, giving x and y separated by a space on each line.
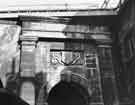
68 93
72 89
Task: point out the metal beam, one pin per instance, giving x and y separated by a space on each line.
105 3
60 13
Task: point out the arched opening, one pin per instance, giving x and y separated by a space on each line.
27 92
68 93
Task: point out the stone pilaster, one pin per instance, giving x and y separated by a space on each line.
110 94
27 61
91 62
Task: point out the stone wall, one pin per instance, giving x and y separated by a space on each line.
126 41
97 66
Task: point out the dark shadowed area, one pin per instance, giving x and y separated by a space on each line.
66 93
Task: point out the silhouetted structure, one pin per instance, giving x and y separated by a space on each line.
9 98
1 85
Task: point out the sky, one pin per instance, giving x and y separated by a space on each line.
35 2
16 3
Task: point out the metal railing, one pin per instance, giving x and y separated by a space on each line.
121 2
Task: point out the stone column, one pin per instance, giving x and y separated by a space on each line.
27 57
27 71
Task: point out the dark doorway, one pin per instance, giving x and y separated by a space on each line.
66 93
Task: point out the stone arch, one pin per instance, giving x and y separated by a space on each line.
72 89
69 81
70 76
69 93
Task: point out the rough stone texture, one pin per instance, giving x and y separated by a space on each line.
108 77
125 70
94 77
